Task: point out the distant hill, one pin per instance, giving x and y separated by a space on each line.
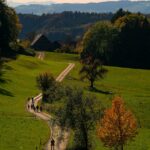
63 26
134 6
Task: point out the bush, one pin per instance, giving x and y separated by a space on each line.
79 114
65 49
19 49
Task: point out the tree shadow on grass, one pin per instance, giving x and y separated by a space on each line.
4 80
5 92
101 91
2 90
7 67
2 72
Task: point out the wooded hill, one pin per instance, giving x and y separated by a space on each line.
64 26
110 6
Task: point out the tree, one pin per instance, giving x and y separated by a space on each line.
132 49
9 28
1 67
118 14
55 92
80 115
117 126
92 71
45 81
98 42
31 36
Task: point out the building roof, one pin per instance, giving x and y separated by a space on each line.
41 42
36 39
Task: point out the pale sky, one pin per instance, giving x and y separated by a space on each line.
59 1
56 1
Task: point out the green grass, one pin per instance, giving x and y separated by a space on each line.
18 128
134 86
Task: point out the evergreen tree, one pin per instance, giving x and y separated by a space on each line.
9 28
118 14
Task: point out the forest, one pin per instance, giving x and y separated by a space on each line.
60 26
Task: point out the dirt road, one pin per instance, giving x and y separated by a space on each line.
60 136
65 72
41 55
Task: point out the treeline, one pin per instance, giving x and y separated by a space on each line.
10 28
60 26
122 42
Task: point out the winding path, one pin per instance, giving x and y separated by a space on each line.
60 136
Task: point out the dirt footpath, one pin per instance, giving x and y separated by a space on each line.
60 136
40 55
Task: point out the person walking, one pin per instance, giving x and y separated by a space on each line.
52 144
41 108
28 106
34 108
32 100
37 108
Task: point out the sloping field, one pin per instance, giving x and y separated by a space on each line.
19 130
134 86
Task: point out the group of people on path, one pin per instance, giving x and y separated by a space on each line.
33 107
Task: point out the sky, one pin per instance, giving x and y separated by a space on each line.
58 1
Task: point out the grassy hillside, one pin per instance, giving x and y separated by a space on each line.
18 128
133 86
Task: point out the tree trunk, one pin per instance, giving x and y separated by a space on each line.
92 84
86 141
85 136
121 147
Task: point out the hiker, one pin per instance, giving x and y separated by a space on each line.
41 109
52 144
28 106
37 108
34 108
32 100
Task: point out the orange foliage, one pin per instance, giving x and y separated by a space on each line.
117 126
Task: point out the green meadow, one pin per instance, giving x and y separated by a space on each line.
134 86
21 130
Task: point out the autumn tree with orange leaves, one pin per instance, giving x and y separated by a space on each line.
117 126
